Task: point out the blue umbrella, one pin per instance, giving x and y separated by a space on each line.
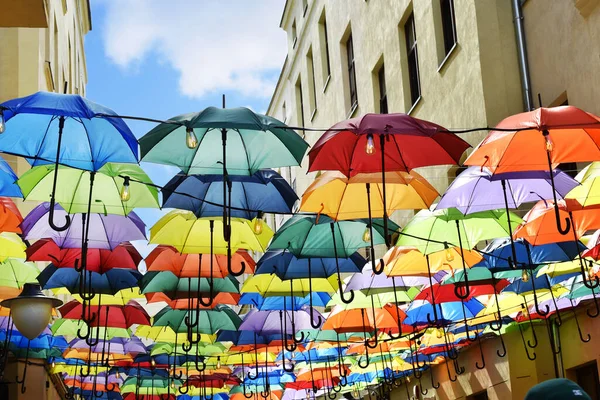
51 128
319 299
92 395
448 312
264 191
497 253
287 266
8 178
109 282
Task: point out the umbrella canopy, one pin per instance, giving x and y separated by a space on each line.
408 261
14 274
210 321
189 234
477 189
287 266
98 260
11 245
271 322
73 188
349 146
271 285
588 193
92 136
264 191
169 283
431 231
311 236
341 198
109 282
167 258
8 179
105 231
254 142
567 133
108 316
10 216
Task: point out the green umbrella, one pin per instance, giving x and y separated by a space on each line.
200 349
209 321
194 142
166 281
14 273
432 231
155 385
479 274
69 328
117 189
320 236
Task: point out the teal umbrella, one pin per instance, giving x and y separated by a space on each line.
308 236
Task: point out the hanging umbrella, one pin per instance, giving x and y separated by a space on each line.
447 312
116 345
409 262
98 260
10 216
180 301
341 198
539 140
271 285
210 321
8 179
167 258
189 234
118 188
270 322
286 265
109 282
70 327
68 130
263 192
106 231
349 147
14 274
166 334
109 315
476 189
11 245
170 284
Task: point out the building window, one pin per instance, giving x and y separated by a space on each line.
324 45
586 376
412 58
284 113
294 34
312 92
448 24
478 396
351 72
383 103
304 7
299 102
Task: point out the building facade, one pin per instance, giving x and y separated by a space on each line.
41 49
455 63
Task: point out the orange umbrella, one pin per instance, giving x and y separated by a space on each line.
10 216
539 224
365 320
86 355
273 395
184 302
408 261
167 258
523 141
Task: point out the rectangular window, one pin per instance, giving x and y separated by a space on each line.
383 104
304 7
283 113
312 92
586 376
351 72
448 24
478 396
294 34
324 45
413 60
299 102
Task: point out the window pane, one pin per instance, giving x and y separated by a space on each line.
412 58
351 71
448 24
383 108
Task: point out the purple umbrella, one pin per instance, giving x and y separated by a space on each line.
106 231
115 345
270 322
476 189
369 282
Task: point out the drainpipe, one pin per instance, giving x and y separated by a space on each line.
522 54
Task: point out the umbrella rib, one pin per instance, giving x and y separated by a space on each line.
400 154
75 190
44 137
87 136
118 190
245 149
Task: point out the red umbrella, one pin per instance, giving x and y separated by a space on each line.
182 302
114 316
132 396
167 258
404 143
445 293
98 260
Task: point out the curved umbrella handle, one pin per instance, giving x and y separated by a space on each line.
315 324
459 370
53 203
346 300
302 336
248 395
379 271
374 345
252 378
503 353
187 389
482 366
561 230
186 346
433 385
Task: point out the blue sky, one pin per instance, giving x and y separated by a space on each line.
159 59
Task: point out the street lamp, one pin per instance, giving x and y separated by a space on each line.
31 310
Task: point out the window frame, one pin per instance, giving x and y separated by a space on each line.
381 83
350 59
412 57
448 18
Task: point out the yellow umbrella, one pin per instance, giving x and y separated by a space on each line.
588 193
563 268
408 261
11 245
121 298
73 370
167 335
272 285
343 198
191 235
251 358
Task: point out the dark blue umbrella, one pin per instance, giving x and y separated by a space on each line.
51 128
497 253
319 299
287 266
264 191
109 282
452 311
8 179
92 395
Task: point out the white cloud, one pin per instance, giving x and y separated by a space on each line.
213 44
